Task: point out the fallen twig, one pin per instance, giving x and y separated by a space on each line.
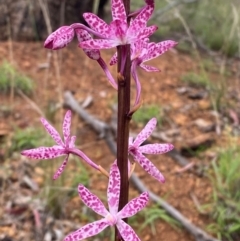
104 130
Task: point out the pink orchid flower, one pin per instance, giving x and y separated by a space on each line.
62 148
118 32
83 35
59 38
111 217
142 51
137 151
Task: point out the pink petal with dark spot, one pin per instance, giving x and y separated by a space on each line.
92 201
134 206
156 148
126 232
113 189
118 11
61 168
145 133
99 44
60 38
97 24
145 32
141 20
158 49
118 31
83 35
44 152
53 132
114 59
88 230
148 166
66 126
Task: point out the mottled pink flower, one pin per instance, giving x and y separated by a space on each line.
62 148
136 150
111 217
60 38
141 52
83 35
118 32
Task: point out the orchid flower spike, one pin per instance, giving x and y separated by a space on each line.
83 35
62 148
118 32
111 217
137 151
59 38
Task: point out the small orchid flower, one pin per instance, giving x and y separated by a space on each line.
62 148
59 38
111 217
118 32
142 51
137 151
83 35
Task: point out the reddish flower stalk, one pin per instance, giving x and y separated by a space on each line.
124 79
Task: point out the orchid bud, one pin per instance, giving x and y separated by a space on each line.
59 38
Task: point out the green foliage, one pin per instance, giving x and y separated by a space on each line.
225 206
150 216
145 113
29 138
195 80
9 76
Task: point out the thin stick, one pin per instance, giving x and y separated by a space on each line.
32 103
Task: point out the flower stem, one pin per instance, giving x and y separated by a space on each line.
124 79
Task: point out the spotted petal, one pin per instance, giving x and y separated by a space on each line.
83 35
97 24
99 44
118 30
114 59
141 20
61 168
92 201
141 33
44 152
53 132
148 166
134 206
118 11
59 38
159 49
113 189
156 148
66 126
88 230
146 132
126 231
